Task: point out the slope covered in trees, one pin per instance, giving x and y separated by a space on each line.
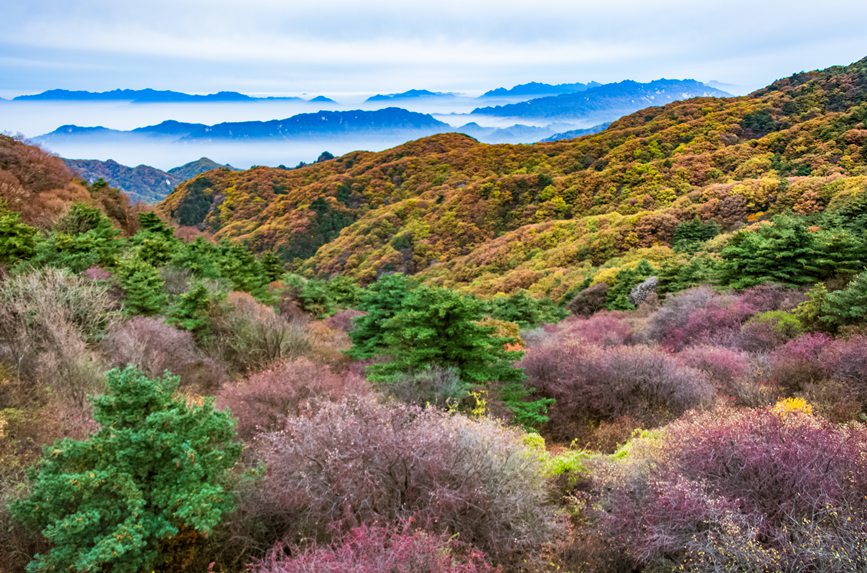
492 218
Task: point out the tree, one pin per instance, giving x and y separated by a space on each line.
82 238
617 296
437 326
272 266
790 253
17 239
846 306
154 469
689 235
143 287
380 301
190 312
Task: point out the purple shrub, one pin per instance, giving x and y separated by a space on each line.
845 361
374 549
264 401
739 490
795 364
360 461
601 329
769 297
724 366
342 320
593 384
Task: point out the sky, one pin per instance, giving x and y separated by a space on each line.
277 47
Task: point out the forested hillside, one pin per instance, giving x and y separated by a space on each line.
493 218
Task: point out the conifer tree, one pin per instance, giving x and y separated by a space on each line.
156 467
143 287
381 301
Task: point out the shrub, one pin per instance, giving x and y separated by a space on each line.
17 239
360 461
600 329
249 335
156 347
591 299
767 330
845 361
374 549
699 316
525 310
108 502
795 364
437 386
592 384
264 401
737 490
47 319
724 366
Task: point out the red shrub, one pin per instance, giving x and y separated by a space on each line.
724 366
154 347
795 364
601 329
361 461
745 490
845 361
592 384
372 549
264 401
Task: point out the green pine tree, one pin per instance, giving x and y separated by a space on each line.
143 287
437 326
155 467
190 311
381 301
17 239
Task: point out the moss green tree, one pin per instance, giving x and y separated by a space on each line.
155 468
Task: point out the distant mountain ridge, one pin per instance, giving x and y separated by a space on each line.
142 183
147 96
410 94
538 89
606 102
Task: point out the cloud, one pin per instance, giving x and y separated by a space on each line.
275 45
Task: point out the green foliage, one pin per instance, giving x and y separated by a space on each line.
143 287
675 275
84 237
689 235
784 323
789 253
846 306
191 310
436 326
153 470
241 268
272 266
323 297
17 239
528 413
382 300
200 256
525 310
151 223
617 297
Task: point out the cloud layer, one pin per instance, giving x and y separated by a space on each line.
280 46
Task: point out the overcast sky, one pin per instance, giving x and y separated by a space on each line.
339 46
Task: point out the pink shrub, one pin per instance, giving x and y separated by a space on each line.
264 401
601 329
360 461
767 297
96 274
724 366
741 490
795 364
593 384
373 549
154 347
845 361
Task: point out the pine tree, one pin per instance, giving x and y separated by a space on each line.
436 326
143 287
272 266
190 312
17 239
380 301
154 468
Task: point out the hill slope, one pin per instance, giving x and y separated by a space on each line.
494 218
142 183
